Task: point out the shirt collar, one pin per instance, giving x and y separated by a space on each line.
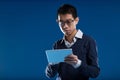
79 34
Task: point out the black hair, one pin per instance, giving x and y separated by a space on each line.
67 9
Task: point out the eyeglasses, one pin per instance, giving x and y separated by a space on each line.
62 23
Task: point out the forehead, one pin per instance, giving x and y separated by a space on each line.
65 16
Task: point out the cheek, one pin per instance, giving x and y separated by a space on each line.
73 27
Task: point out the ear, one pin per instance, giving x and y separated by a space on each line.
76 20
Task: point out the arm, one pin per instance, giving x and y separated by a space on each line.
91 68
51 70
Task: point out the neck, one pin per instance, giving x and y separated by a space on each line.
70 37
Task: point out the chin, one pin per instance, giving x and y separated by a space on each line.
67 33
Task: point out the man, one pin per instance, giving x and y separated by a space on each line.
83 62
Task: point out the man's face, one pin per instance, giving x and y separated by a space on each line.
67 23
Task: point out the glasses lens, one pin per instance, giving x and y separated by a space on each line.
68 22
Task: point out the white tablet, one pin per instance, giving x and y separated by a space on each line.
57 55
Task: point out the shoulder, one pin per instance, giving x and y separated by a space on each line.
57 43
88 38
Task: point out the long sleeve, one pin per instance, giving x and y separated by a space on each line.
51 70
91 68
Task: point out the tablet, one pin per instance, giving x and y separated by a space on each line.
57 55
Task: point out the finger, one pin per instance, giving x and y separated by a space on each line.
71 56
71 62
71 59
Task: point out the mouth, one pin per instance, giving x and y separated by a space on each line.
67 31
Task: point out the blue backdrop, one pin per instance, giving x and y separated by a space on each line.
28 28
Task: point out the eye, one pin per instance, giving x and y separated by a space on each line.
69 21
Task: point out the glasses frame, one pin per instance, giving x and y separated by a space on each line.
68 22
